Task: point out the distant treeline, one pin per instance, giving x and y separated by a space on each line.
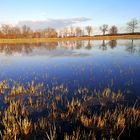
121 34
8 31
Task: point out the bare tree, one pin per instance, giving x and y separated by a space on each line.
50 33
78 31
16 31
104 28
72 31
53 33
89 30
60 33
65 32
26 31
113 30
6 29
132 25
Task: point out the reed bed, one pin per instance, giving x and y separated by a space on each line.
33 112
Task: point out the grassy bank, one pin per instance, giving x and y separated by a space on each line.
34 40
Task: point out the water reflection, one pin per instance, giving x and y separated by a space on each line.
112 43
10 49
103 46
91 64
26 49
89 45
131 47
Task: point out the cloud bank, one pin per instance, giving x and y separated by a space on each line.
54 23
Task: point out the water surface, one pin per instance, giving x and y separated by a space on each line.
91 64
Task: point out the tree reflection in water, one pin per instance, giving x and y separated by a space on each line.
103 46
11 49
131 47
28 48
112 43
89 45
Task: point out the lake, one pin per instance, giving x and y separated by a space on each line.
91 64
70 90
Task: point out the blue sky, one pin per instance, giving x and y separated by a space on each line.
98 11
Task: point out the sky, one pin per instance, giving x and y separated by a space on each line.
61 13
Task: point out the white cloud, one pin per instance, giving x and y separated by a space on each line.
54 23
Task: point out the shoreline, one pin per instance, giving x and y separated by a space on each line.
39 40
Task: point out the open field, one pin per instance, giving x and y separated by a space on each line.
32 40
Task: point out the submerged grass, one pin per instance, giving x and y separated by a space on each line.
50 114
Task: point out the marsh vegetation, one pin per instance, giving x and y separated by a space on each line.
34 112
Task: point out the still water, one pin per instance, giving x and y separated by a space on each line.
91 64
